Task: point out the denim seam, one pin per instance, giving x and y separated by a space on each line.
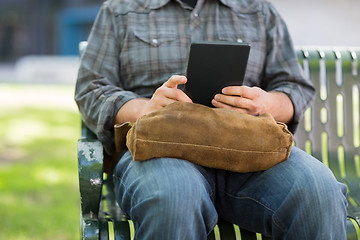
126 191
213 224
276 222
211 195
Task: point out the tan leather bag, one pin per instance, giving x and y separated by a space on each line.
211 137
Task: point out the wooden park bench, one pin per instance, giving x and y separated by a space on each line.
330 131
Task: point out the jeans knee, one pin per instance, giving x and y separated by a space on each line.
314 196
166 192
172 195
316 185
312 178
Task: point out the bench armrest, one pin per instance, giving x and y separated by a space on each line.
90 159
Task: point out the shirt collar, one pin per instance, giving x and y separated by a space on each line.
245 6
152 4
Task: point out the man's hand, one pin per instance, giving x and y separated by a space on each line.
163 96
166 94
255 101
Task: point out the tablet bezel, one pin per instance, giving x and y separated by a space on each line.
210 61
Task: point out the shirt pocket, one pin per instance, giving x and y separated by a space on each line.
246 27
155 39
240 27
149 58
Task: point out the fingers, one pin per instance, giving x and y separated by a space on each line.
175 80
243 91
163 101
169 93
166 94
234 97
182 97
175 94
235 102
242 98
219 104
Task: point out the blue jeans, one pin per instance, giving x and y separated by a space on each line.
174 199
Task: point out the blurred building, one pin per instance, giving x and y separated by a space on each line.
43 27
322 22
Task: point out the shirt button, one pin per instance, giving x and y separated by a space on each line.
154 42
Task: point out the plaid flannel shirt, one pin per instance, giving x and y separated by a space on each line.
136 45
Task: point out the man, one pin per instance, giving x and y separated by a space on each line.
133 64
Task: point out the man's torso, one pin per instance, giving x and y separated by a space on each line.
155 39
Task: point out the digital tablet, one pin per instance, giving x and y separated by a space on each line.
213 66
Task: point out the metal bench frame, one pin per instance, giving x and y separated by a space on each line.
330 131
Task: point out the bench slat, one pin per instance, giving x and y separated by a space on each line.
329 131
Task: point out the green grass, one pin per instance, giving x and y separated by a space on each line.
39 196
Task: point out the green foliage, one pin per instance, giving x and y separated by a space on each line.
39 197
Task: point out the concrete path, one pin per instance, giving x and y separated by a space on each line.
36 95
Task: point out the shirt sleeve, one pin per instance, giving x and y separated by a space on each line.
283 72
98 92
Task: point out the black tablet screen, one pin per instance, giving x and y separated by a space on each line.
213 66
